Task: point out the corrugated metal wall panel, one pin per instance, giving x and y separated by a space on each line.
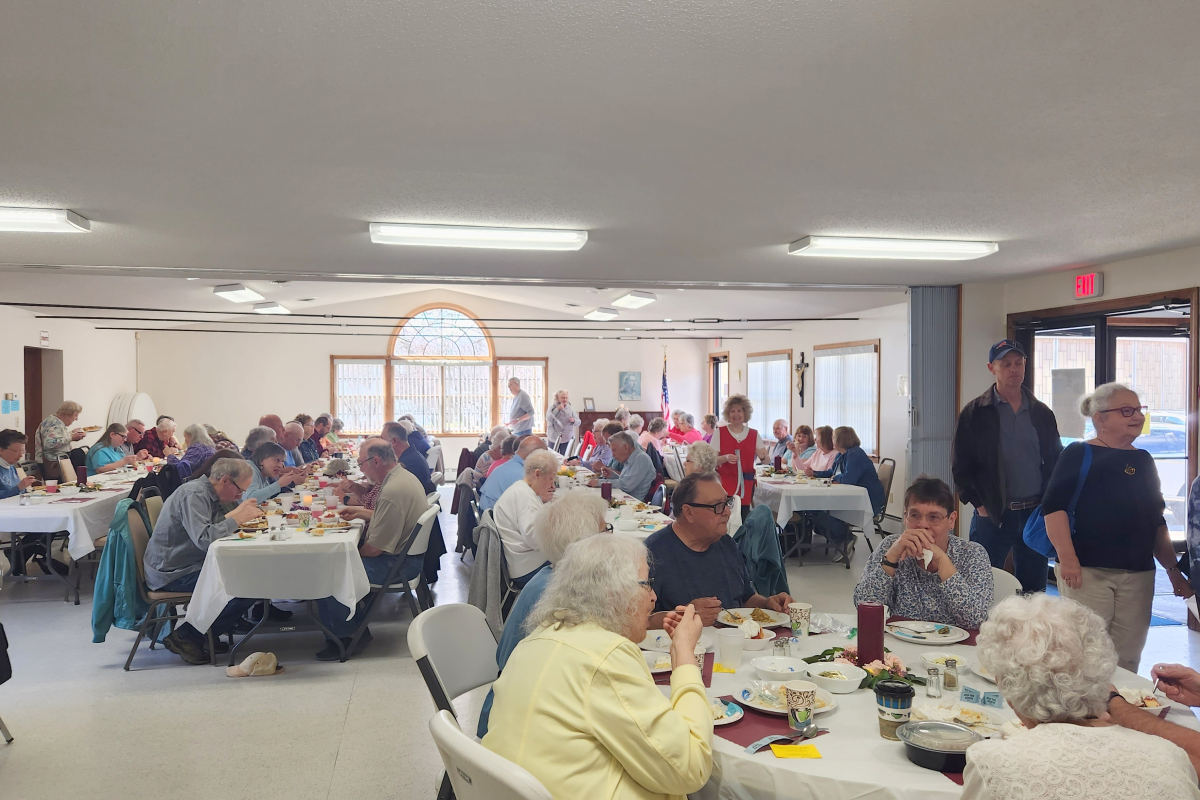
933 366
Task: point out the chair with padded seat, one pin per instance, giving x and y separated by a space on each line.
153 505
477 773
169 602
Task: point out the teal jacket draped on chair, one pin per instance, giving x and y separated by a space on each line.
116 600
758 543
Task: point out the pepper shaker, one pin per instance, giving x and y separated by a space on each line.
950 678
783 647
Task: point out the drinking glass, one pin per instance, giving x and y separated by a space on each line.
729 647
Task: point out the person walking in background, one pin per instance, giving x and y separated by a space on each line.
520 411
1005 447
1107 562
561 422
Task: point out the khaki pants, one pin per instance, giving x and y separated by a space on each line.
1123 600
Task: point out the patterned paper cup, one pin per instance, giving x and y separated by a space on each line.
304 517
801 699
800 614
699 652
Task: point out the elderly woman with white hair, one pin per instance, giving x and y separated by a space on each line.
516 510
561 423
198 447
494 452
159 441
1053 661
576 705
1107 561
701 458
556 527
52 441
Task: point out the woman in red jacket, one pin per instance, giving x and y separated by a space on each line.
736 444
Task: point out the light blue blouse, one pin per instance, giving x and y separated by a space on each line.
103 456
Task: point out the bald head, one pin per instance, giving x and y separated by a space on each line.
293 433
530 444
273 422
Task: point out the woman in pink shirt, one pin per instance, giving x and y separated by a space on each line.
687 430
654 435
822 460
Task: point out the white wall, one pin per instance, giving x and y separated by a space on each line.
229 380
889 324
97 365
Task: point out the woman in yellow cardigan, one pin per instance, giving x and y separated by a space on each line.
576 705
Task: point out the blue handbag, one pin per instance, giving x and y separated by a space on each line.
1035 527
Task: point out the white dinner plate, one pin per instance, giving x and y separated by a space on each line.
979 670
956 634
746 696
661 642
653 655
727 719
777 618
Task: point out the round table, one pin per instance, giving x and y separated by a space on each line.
784 496
856 762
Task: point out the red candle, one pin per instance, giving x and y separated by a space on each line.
606 490
870 632
778 463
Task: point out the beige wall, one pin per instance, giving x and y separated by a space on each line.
229 380
888 324
97 365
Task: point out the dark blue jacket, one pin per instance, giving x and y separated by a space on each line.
856 468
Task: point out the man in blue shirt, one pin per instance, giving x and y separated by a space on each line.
508 473
12 450
695 561
636 473
520 412
397 435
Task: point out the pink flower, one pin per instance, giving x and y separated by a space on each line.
894 664
840 660
850 654
875 667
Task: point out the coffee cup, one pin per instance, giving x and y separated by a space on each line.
894 700
801 697
800 614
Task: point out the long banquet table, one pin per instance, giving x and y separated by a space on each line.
85 516
855 762
785 495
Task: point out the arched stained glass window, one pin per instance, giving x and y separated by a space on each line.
441 333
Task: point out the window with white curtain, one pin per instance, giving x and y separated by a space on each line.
846 389
358 394
768 385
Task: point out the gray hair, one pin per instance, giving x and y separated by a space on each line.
636 422
69 407
515 379
135 422
599 424
596 581
292 425
621 415
165 424
1052 657
382 451
1099 400
499 436
233 468
567 520
198 434
541 460
689 419
703 455
658 424
625 438
336 425
257 436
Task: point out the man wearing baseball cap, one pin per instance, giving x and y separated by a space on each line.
1005 445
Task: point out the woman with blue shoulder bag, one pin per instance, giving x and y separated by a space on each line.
1105 559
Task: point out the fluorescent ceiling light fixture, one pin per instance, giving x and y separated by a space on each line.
602 314
635 299
859 247
270 307
468 236
42 220
236 293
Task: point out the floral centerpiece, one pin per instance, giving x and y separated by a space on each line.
891 668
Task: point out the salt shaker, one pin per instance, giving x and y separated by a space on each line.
950 679
933 684
783 647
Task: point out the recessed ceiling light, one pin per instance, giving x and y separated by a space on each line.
859 247
42 220
270 307
602 314
667 319
467 236
236 293
635 299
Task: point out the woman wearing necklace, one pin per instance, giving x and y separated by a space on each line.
1107 564
736 444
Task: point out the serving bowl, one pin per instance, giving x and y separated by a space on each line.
68 490
940 746
776 668
854 677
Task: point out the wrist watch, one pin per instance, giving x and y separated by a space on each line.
1112 696
884 560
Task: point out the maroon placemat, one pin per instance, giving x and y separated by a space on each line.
955 776
969 641
664 678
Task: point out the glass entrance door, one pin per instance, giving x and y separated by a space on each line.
1064 370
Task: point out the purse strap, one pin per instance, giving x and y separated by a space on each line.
1083 473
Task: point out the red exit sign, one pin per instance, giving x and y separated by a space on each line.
1089 285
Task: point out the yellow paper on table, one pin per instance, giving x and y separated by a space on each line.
718 667
795 751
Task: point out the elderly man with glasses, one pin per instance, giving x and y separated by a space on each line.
927 573
135 430
695 561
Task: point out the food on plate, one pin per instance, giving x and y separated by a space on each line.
942 630
292 515
246 534
751 629
90 429
566 473
721 710
976 720
761 617
833 674
1140 698
662 662
734 618
317 531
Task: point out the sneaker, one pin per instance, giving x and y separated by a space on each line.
243 625
219 645
186 649
837 557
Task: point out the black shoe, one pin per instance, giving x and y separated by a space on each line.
330 652
186 649
243 625
219 645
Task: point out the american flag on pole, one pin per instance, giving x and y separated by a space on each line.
666 395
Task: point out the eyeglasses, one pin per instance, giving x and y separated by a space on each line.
915 517
716 508
1126 411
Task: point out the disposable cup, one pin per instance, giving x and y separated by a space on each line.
729 647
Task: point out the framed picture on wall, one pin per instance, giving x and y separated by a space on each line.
629 386
589 404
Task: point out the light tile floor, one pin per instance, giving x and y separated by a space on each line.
86 728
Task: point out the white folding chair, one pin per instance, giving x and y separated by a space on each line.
477 773
455 649
1004 585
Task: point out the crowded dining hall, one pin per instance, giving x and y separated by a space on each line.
695 400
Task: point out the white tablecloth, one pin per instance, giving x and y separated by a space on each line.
849 503
302 567
856 762
83 522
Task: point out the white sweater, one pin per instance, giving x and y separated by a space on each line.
514 513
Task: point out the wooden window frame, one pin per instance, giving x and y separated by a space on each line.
878 344
708 386
546 394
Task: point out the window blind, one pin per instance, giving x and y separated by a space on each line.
846 390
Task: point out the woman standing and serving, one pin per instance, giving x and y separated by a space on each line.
52 441
736 444
1107 564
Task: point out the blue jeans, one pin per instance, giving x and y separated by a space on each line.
333 614
225 621
835 531
1028 565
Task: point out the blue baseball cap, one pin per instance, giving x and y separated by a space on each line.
1003 347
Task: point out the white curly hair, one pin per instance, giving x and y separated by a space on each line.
596 581
567 520
703 455
1052 657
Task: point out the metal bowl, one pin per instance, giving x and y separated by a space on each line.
940 746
